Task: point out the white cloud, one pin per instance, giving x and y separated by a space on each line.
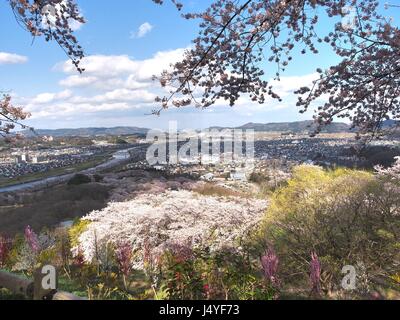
143 29
161 61
284 88
123 66
51 97
109 83
12 58
77 81
102 66
287 85
128 95
121 87
133 83
118 95
53 111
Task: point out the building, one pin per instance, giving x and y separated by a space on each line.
208 177
238 176
37 159
22 158
48 139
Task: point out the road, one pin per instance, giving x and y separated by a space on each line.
118 158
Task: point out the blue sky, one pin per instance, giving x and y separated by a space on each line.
126 42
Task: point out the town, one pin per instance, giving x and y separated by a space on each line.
269 151
47 155
274 153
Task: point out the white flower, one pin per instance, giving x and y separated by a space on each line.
171 217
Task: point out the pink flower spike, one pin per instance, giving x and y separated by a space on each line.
123 254
315 273
32 239
270 264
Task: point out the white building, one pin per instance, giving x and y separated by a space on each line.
208 177
238 176
22 158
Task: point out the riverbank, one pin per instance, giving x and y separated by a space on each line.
62 175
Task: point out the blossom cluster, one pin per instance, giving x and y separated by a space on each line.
270 263
159 222
392 172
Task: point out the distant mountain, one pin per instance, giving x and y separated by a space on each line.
390 124
295 127
89 132
308 126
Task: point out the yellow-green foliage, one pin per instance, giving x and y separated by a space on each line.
312 187
344 215
13 255
48 256
76 230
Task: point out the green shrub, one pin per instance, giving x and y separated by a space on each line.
217 276
346 216
98 178
79 227
79 179
258 177
120 141
50 207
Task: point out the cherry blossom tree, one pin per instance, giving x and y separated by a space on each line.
237 38
53 20
151 224
10 116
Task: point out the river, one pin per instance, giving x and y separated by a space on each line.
118 158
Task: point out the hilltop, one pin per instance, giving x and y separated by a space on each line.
295 127
89 132
307 126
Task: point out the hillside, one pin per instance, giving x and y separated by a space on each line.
85 132
295 127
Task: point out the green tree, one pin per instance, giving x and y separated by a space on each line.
347 217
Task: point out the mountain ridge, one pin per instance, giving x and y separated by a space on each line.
293 127
306 126
89 131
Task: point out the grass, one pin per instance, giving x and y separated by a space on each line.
139 286
71 286
4 182
8 295
49 207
